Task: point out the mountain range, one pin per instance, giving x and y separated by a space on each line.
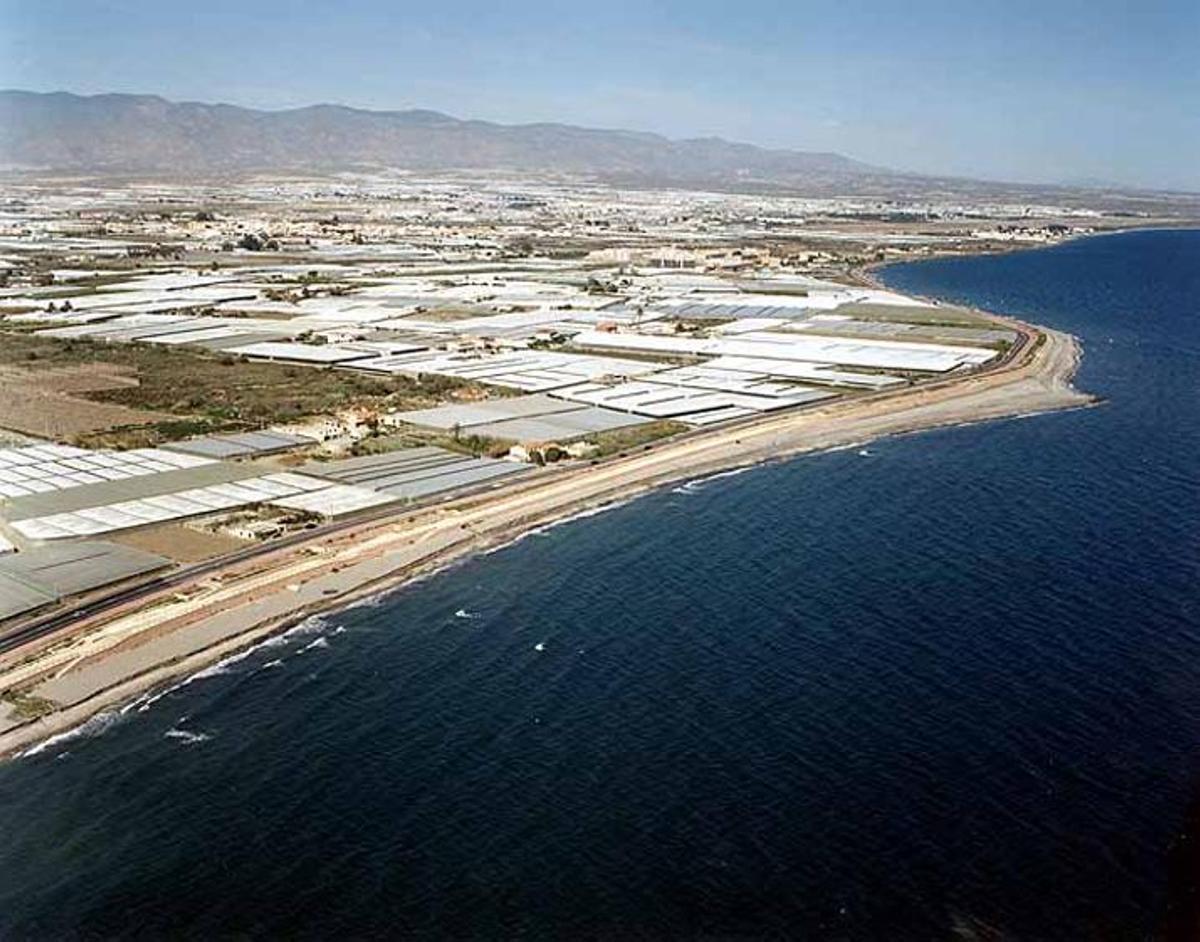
140 133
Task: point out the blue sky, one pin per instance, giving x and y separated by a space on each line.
1033 91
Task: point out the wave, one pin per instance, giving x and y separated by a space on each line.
185 736
89 729
102 721
370 601
545 528
219 669
222 667
312 623
834 449
695 485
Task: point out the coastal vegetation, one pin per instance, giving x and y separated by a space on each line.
194 391
618 440
27 705
477 446
944 315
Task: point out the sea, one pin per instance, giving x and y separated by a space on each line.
939 686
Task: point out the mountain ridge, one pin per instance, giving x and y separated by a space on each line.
135 133
116 134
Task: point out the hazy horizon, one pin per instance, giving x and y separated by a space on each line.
1058 93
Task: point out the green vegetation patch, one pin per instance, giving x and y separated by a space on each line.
618 440
944 315
477 446
155 433
450 312
26 705
211 390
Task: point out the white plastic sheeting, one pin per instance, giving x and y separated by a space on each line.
37 469
196 501
871 354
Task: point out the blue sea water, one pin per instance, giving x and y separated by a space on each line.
944 687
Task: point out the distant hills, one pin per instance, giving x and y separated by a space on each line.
147 133
140 133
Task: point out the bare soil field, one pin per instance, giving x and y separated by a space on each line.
178 542
49 403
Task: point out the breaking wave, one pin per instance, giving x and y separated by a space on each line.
697 484
187 737
545 528
91 728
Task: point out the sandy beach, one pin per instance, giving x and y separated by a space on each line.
116 656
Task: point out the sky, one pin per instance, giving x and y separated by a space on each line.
1049 91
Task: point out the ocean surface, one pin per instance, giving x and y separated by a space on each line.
946 686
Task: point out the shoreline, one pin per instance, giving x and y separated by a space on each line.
868 273
124 655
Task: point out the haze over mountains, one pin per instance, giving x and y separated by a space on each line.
147 134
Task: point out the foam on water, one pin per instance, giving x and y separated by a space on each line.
369 601
543 529
697 484
312 623
95 726
187 737
221 668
